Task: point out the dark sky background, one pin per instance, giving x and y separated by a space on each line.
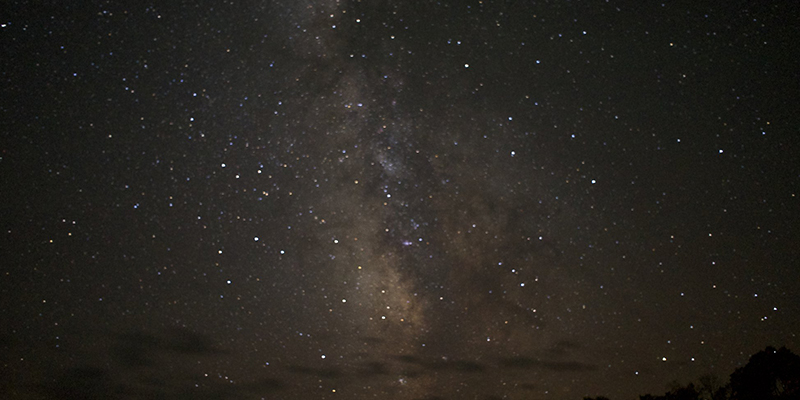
395 199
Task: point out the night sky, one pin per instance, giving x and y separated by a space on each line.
395 199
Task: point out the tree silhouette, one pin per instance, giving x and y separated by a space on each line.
677 392
712 388
687 392
769 375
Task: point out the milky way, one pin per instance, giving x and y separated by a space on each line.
395 200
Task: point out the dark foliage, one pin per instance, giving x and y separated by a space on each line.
770 374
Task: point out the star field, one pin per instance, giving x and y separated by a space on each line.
396 200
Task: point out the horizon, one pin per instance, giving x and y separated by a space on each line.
397 200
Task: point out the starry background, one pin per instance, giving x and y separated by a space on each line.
399 200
